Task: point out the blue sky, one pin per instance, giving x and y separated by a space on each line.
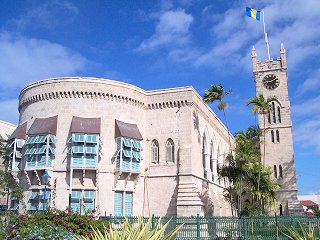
163 44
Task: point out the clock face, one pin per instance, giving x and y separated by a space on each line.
271 81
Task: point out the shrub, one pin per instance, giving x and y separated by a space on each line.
52 224
301 233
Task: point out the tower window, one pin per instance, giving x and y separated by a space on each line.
277 135
272 136
170 150
280 171
269 117
274 112
275 171
155 151
279 114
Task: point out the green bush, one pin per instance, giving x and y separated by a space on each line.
301 233
52 224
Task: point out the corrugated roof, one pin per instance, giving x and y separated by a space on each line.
127 130
44 126
19 132
85 125
308 203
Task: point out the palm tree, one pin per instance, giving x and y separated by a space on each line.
217 93
262 106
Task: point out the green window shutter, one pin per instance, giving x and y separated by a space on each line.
125 164
40 150
118 203
127 153
135 166
78 149
137 144
92 138
77 161
137 155
41 139
52 138
91 149
127 142
76 201
88 200
52 150
128 204
78 137
90 161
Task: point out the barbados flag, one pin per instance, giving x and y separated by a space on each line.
253 13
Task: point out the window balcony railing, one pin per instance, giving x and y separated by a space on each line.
39 163
127 165
84 162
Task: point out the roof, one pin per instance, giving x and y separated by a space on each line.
308 203
19 132
127 130
85 125
6 129
44 126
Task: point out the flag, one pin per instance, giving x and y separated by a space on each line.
253 13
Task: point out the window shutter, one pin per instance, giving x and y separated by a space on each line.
118 203
128 203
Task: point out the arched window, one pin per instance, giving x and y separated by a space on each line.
277 135
269 117
155 151
279 114
280 171
169 150
211 156
274 112
281 210
272 136
275 171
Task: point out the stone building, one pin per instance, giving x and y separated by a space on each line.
119 149
6 130
271 78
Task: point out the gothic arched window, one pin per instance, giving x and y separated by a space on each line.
155 151
275 171
169 150
279 114
280 171
277 135
274 112
272 136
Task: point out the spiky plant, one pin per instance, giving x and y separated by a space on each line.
129 231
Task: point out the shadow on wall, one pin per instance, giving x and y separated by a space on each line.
196 124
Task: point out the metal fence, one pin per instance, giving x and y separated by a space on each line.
220 228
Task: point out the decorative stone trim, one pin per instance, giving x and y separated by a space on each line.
170 104
80 94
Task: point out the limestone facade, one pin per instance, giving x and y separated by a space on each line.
278 132
171 121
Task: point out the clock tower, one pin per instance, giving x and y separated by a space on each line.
271 78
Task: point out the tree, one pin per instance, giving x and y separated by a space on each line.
6 179
243 171
262 106
217 93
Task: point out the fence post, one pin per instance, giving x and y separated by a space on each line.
152 221
245 228
198 227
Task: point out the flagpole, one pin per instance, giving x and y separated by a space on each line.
265 35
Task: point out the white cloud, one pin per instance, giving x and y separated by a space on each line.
171 30
307 130
308 108
307 134
24 60
312 83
